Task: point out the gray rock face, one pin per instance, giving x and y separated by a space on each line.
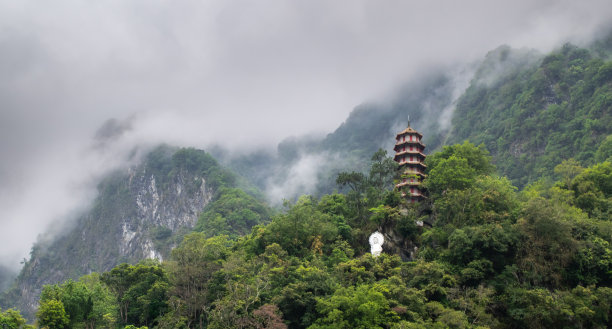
175 208
134 217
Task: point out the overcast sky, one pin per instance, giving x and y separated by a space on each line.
194 73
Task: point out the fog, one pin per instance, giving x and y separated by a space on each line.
231 73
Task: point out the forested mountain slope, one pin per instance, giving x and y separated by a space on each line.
533 117
491 257
426 99
531 111
141 213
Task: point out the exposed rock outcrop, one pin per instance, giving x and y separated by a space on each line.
138 214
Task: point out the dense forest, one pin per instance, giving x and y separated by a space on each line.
533 117
488 256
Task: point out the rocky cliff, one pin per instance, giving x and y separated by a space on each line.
138 214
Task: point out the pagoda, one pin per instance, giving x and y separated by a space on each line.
409 154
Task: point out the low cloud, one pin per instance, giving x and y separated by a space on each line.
301 177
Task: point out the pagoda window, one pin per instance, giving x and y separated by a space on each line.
403 138
411 137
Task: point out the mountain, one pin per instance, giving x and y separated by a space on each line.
139 213
530 110
427 100
531 117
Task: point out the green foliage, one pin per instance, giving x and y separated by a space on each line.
86 303
51 314
537 115
165 162
303 229
456 167
140 291
548 245
593 190
12 319
492 257
233 213
193 265
604 151
540 308
355 307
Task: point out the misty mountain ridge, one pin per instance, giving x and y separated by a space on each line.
139 213
449 106
526 108
428 100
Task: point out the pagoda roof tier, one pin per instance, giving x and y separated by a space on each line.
418 173
413 163
413 195
408 183
409 131
416 147
408 152
401 143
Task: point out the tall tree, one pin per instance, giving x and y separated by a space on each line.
193 265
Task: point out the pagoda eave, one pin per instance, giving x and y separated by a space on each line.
401 143
400 154
409 131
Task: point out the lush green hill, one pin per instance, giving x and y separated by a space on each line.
534 116
491 257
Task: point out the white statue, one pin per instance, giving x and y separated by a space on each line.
376 242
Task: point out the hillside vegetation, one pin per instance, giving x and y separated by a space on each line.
493 257
532 118
140 213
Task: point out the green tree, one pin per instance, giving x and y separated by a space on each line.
358 184
51 315
193 264
233 213
355 307
593 190
568 169
547 245
604 152
302 230
451 173
12 319
140 291
383 171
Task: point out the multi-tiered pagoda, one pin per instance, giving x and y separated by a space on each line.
409 155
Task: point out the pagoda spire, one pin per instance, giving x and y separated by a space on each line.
409 154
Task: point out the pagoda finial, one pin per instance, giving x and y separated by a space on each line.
408 120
